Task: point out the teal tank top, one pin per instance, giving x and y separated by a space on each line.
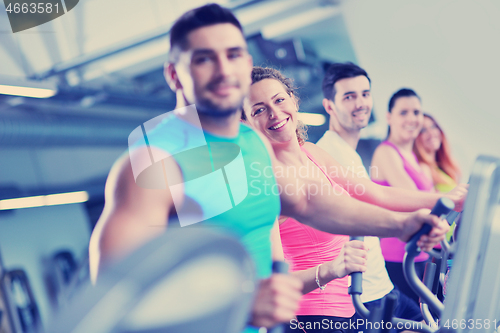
228 183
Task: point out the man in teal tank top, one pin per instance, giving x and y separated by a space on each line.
209 67
217 169
242 208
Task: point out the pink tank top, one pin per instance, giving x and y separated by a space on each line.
305 247
392 248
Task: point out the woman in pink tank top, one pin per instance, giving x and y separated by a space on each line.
321 260
394 164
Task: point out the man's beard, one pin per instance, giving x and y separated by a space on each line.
208 108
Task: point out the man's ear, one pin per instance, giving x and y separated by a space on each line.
249 68
171 76
245 121
329 107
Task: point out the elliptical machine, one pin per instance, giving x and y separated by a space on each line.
385 312
473 289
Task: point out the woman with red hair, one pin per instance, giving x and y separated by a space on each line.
432 149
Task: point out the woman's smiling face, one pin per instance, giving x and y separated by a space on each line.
271 110
430 136
406 118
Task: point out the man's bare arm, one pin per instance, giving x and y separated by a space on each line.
132 214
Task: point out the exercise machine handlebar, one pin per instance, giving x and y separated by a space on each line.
356 289
442 207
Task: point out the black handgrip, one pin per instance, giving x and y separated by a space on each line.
356 277
280 267
443 206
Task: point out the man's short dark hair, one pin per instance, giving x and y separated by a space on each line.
403 92
194 19
339 71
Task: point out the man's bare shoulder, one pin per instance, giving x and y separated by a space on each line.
133 163
136 175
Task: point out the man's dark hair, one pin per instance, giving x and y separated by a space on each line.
194 19
403 92
339 71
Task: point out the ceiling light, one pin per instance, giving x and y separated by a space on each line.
26 88
26 91
44 200
312 119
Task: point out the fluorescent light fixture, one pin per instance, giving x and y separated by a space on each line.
26 88
312 119
44 200
299 21
26 91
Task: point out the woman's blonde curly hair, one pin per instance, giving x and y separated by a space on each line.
261 73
